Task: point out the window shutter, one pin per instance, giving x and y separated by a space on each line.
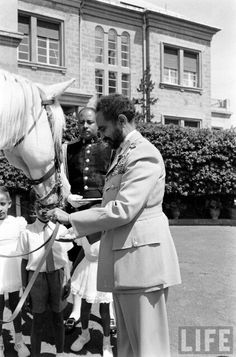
48 30
23 25
190 62
171 58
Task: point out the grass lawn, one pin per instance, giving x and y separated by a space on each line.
207 295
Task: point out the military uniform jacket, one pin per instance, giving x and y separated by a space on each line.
86 166
137 251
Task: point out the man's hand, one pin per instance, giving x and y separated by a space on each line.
57 215
66 290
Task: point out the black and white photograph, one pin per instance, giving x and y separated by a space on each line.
117 178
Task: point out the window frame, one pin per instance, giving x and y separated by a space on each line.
25 36
33 43
107 67
180 71
181 121
99 29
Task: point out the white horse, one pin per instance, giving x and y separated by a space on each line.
31 125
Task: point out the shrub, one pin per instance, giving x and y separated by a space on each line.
198 161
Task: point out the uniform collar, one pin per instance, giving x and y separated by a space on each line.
89 141
126 139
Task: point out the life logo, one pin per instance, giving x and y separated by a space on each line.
204 340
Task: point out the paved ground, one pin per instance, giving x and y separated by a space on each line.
207 296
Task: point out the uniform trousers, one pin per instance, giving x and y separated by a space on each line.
142 326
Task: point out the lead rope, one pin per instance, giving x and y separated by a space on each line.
33 278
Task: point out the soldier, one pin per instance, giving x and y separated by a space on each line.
87 159
86 162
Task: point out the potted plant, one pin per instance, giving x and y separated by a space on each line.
175 208
214 206
232 209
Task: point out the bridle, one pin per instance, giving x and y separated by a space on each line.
55 169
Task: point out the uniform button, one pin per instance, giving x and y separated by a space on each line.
87 160
86 168
135 244
89 145
88 152
85 178
86 187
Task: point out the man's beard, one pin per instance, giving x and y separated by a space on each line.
116 140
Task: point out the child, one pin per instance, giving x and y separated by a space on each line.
51 280
10 278
83 286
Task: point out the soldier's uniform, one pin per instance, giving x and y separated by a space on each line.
86 163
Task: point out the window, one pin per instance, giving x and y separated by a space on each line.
171 73
99 45
99 81
190 69
112 47
24 47
125 84
112 82
48 43
46 34
183 122
191 123
125 50
181 67
169 121
112 62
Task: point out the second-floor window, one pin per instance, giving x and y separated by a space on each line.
42 42
190 78
24 47
171 66
181 67
48 43
112 62
112 47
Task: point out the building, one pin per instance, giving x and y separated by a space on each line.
220 114
107 45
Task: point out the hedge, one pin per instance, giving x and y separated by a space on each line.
198 161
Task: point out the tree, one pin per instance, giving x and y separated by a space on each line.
146 87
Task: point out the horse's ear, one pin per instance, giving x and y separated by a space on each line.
92 103
53 90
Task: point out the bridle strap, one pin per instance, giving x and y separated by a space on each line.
44 177
30 129
44 103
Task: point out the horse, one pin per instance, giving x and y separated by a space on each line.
31 127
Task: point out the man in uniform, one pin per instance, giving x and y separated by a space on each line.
86 162
87 159
137 257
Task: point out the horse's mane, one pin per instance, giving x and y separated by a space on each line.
18 98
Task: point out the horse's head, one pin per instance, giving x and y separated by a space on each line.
31 125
